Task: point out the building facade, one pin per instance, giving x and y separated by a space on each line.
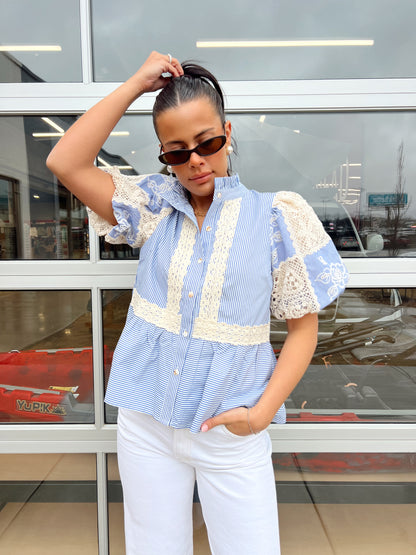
321 95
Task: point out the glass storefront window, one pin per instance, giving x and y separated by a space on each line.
40 41
115 306
46 371
238 40
364 366
355 168
342 499
346 502
39 218
48 503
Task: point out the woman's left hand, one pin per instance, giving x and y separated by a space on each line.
236 420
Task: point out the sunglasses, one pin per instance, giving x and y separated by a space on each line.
206 148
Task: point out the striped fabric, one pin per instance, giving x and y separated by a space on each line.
196 338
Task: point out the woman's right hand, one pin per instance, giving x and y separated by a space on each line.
149 77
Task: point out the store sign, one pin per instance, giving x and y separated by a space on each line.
387 199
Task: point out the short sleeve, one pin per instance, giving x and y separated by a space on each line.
138 208
308 273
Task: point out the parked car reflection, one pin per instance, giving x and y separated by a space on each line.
364 363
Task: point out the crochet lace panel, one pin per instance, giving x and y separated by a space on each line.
127 192
179 265
169 318
206 324
154 314
293 295
214 279
305 229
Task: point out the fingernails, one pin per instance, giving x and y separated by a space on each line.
204 428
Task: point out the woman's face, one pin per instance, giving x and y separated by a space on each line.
186 126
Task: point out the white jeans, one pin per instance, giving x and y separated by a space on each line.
236 486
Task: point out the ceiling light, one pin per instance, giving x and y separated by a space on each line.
119 133
37 135
103 162
54 125
45 135
262 119
30 48
281 43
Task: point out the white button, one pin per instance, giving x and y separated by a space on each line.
191 294
208 228
219 195
199 260
185 333
176 371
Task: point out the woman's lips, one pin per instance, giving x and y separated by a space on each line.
200 177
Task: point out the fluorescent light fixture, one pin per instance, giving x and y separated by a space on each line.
354 177
296 131
30 48
54 125
46 135
262 119
61 133
351 165
36 196
281 43
107 165
103 162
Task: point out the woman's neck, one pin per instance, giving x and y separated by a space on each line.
200 205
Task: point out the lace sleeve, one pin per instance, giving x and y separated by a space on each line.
308 273
137 206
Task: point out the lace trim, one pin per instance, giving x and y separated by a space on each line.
220 332
154 314
293 295
180 262
305 229
128 192
214 279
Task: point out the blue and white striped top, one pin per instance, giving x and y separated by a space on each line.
196 338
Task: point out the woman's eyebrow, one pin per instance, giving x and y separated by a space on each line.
178 142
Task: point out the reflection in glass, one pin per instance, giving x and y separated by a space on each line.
364 366
48 501
40 41
39 218
115 306
46 372
380 50
356 169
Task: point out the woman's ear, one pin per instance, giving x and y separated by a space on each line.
227 128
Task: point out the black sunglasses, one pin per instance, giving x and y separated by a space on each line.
206 148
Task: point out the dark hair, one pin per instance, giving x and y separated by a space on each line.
196 82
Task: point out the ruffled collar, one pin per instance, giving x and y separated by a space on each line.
178 197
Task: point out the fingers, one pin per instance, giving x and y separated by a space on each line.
235 420
175 68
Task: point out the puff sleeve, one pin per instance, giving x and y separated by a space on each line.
138 208
308 273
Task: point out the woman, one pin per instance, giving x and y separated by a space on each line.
194 375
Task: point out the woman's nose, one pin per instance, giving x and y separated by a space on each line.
195 159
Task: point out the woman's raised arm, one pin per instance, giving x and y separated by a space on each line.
72 159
